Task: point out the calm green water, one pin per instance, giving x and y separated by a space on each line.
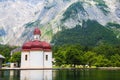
60 74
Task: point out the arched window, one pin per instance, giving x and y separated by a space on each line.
26 57
46 57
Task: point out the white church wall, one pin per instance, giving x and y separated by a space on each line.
25 59
36 59
47 59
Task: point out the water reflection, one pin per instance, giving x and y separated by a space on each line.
14 75
36 75
80 74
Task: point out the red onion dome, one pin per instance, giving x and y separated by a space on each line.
46 46
37 31
26 46
36 45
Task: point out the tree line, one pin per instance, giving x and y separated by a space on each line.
103 55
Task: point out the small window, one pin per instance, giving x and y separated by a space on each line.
46 57
26 57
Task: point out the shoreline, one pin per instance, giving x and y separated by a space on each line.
109 68
101 68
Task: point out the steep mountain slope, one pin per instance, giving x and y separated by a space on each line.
19 17
91 33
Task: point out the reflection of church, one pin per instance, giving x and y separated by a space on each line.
36 53
36 75
28 75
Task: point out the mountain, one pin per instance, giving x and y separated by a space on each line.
18 18
86 35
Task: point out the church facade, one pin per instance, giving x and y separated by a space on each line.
36 53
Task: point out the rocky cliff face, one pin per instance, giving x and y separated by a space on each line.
19 17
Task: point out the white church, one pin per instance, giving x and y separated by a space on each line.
36 53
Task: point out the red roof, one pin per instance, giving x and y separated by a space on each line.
36 45
26 46
46 46
37 31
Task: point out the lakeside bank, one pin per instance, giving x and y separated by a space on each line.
101 68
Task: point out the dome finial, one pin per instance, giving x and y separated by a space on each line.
37 31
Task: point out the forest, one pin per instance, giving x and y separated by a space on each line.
103 55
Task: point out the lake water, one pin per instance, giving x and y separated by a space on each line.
81 74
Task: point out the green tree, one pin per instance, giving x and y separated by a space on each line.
16 57
60 58
105 49
62 54
102 61
74 56
117 49
5 51
89 58
115 59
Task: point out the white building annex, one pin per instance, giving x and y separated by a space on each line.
36 53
